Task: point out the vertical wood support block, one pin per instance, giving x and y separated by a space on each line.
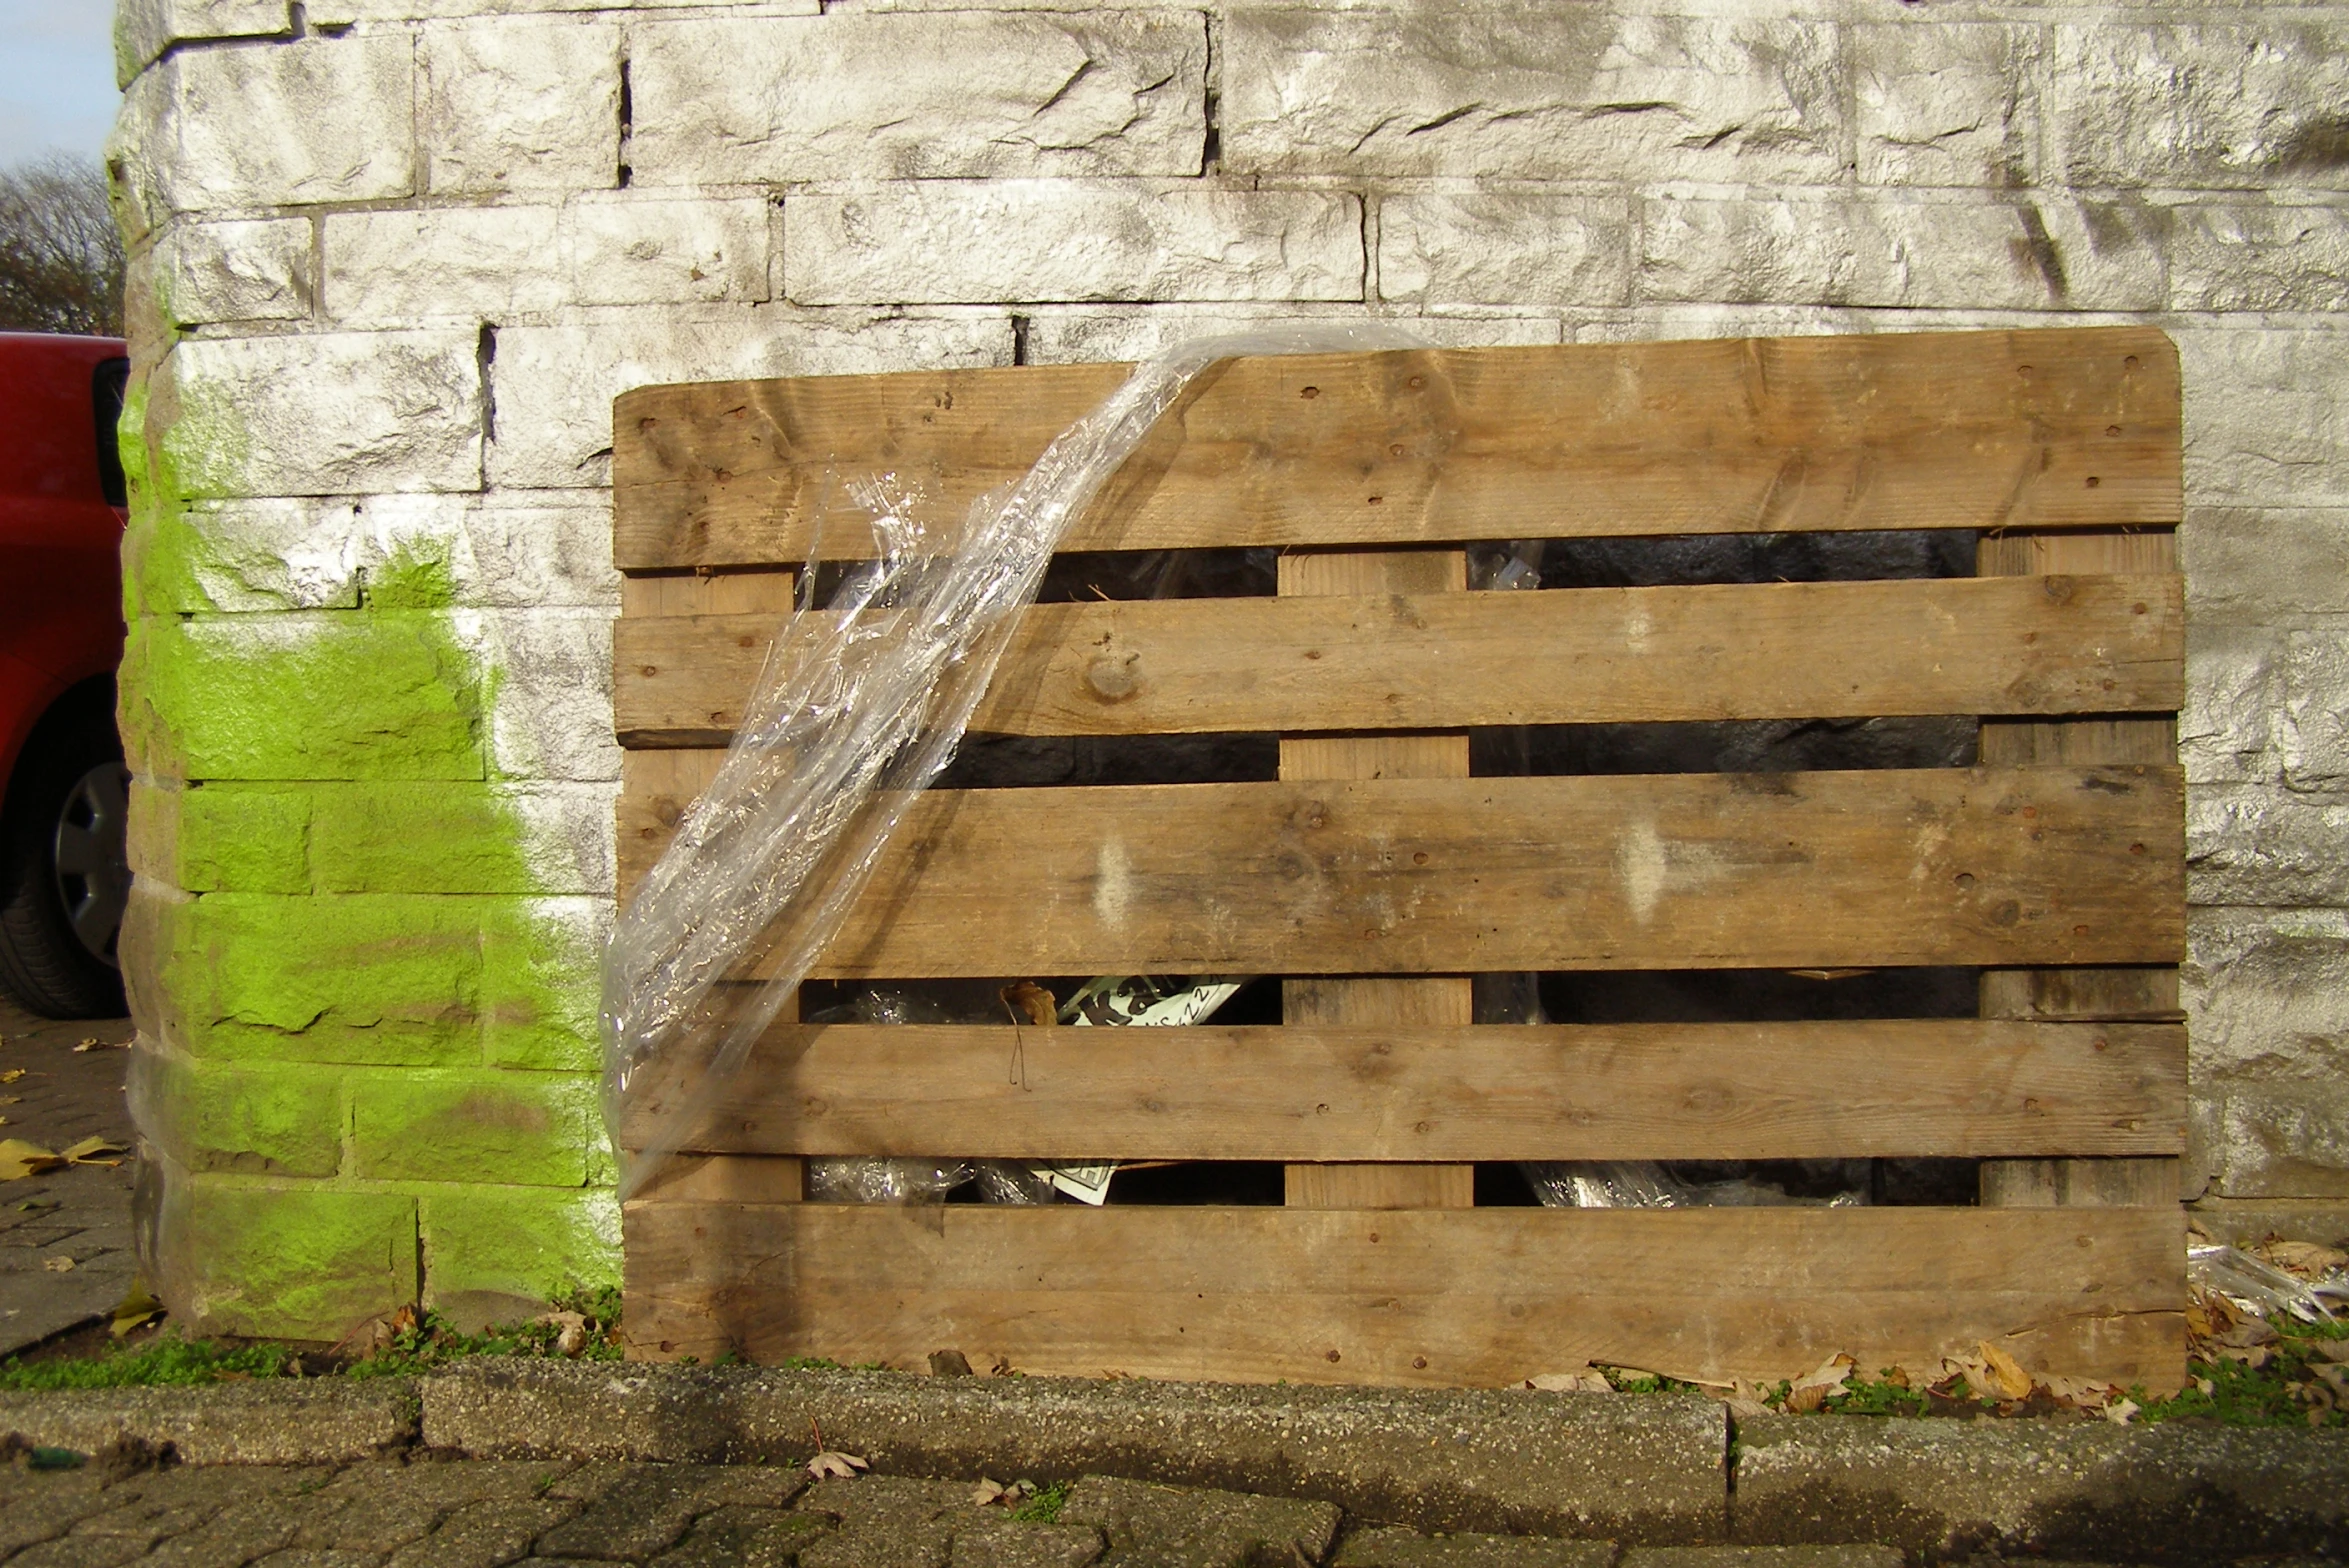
2136 993
1378 999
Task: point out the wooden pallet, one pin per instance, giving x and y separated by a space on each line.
1380 875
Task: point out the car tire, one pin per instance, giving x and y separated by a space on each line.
64 873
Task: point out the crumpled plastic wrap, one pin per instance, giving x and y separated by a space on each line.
856 711
2261 1287
1646 1184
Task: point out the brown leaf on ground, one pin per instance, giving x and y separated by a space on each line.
1586 1380
135 1311
843 1466
19 1159
58 1265
12 1074
2006 1371
2304 1259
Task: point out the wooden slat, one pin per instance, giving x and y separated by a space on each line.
1301 1091
2047 429
2099 992
1431 578
2008 867
1415 1296
1997 645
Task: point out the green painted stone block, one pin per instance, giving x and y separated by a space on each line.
497 1254
543 985
274 1120
426 837
530 1129
250 840
365 978
331 695
283 1260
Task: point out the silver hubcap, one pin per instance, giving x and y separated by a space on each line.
93 864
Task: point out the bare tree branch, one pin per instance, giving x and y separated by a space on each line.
60 256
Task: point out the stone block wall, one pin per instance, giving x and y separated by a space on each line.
393 258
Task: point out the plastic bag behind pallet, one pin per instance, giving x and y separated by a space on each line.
854 714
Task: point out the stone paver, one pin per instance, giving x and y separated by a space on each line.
1410 1549
1151 1526
60 1097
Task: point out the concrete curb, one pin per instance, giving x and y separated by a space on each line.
1641 1469
1944 1489
311 1421
1650 1469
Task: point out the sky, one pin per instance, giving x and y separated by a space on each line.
56 77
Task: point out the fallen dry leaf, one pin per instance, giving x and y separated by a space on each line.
58 1265
90 1044
844 1466
11 1075
2306 1259
1587 1380
136 1310
2011 1379
19 1159
2119 1411
93 1151
1028 1000
2080 1393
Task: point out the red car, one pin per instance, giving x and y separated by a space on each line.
63 872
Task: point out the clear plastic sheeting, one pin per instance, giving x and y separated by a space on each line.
855 713
2262 1288
1646 1184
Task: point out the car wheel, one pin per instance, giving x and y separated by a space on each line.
65 873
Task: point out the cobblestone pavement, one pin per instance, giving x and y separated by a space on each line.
486 1513
79 1216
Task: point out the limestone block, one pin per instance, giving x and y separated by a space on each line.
524 104
2230 730
551 952
2267 997
531 1129
259 270
2259 258
1074 335
510 550
2316 710
442 265
320 414
1504 248
1964 254
956 243
321 119
143 29
622 248
1940 103
719 100
555 385
2204 106
1545 92
2264 420
551 710
342 13
2255 844
2248 565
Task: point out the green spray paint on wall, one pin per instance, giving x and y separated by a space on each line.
368 1029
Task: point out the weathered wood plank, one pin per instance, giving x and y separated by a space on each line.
1410 1296
761 591
1995 645
2011 867
1434 577
2050 429
2011 993
1417 1091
